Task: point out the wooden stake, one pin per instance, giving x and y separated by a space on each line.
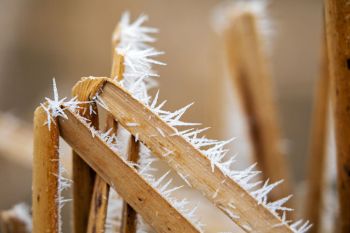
318 148
45 172
251 75
83 183
129 216
338 42
154 209
98 207
128 213
84 179
161 138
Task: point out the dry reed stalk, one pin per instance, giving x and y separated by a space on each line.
155 210
251 75
318 147
338 41
96 200
45 171
128 218
161 138
98 207
84 179
129 215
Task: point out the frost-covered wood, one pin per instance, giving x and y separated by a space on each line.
45 194
247 62
155 210
165 142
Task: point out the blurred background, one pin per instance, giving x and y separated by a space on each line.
40 40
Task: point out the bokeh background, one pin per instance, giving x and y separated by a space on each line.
40 40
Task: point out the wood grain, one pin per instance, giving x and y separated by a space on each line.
248 65
337 14
45 175
187 160
154 209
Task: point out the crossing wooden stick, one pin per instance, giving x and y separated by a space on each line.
109 165
251 75
160 138
318 147
338 41
128 224
45 171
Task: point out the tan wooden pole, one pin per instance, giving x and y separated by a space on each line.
247 62
338 40
45 175
318 147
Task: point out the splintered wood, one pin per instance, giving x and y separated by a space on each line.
250 73
127 182
45 175
338 41
161 138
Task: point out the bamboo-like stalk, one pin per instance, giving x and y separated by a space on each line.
84 180
83 183
98 207
98 212
249 69
129 215
318 147
161 138
109 165
338 33
45 171
128 219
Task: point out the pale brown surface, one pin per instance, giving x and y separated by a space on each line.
338 33
247 61
116 172
11 223
187 160
129 215
98 207
45 175
318 147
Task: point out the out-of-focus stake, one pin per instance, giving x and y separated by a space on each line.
338 42
318 147
16 220
45 171
250 73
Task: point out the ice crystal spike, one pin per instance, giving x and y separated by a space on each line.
138 77
55 107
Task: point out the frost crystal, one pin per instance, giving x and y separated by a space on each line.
55 107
